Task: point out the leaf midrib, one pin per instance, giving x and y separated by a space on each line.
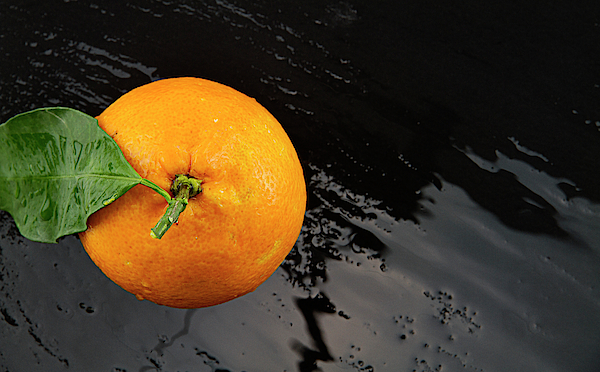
58 177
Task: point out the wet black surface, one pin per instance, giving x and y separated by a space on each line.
452 157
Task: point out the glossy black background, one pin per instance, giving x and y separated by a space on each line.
452 155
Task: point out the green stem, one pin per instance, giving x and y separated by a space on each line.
156 188
183 188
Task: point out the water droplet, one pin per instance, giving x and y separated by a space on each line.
77 146
110 200
48 209
87 309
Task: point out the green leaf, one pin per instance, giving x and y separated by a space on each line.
58 167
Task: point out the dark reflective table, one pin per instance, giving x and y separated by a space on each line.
451 154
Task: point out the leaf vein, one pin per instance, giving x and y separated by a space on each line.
58 177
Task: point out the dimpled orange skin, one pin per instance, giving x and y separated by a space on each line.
236 232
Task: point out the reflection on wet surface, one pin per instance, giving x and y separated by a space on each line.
360 289
453 218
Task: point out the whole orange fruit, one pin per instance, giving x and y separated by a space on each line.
236 232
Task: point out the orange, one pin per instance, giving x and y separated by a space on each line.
236 232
